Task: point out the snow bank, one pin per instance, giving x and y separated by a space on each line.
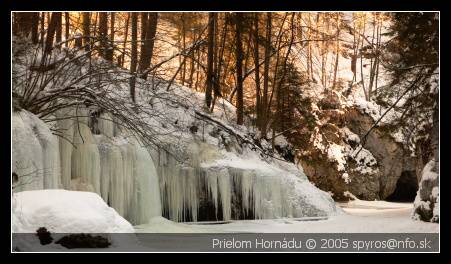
62 211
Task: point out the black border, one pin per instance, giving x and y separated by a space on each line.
212 5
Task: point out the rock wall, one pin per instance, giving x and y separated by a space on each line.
391 157
336 161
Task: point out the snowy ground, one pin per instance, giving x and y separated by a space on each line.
359 217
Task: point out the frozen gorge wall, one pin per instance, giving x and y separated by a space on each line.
94 155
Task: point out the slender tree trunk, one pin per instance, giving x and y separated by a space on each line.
67 27
239 69
277 124
183 46
59 27
134 55
51 31
219 61
125 40
257 70
110 43
264 119
361 62
211 44
377 55
197 70
191 74
103 33
372 63
337 52
42 28
35 28
147 48
86 30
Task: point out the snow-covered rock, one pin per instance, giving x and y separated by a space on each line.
427 202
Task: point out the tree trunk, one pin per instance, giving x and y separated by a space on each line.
337 52
35 28
59 28
264 120
191 74
125 40
110 44
42 28
67 27
211 44
184 47
134 55
148 43
219 58
51 30
239 69
86 30
103 33
277 124
257 70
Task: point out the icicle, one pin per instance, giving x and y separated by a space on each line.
66 129
106 125
50 153
85 168
146 192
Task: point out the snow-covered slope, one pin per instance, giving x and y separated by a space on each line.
206 167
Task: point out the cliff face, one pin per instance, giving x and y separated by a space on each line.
339 158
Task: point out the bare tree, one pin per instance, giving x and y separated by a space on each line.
67 27
211 44
149 21
264 120
134 55
86 24
239 69
56 16
110 49
103 33
257 69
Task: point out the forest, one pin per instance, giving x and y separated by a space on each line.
223 116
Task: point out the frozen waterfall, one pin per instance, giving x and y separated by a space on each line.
107 163
95 154
210 187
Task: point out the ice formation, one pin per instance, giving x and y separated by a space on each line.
221 186
119 169
95 154
34 154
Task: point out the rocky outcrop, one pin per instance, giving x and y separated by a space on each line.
390 155
336 161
